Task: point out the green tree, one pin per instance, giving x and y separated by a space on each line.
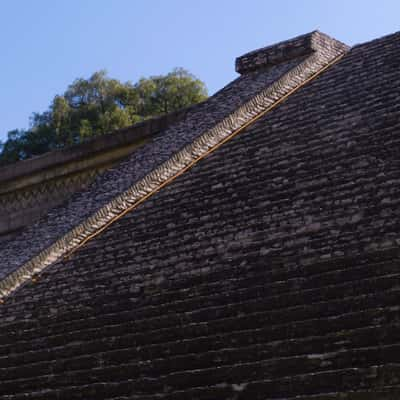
164 94
92 107
99 105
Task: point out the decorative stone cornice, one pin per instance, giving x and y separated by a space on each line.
326 53
282 52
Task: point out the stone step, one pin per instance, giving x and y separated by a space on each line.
279 323
220 360
257 343
385 393
275 281
309 384
286 335
175 312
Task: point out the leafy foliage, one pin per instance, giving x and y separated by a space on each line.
98 105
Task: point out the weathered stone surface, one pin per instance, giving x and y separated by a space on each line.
180 145
270 270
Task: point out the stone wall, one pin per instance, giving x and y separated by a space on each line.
28 189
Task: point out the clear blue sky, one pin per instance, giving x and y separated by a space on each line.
46 44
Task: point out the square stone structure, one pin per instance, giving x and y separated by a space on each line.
247 248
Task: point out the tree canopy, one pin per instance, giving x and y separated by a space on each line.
99 105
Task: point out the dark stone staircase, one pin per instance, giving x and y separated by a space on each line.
254 332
